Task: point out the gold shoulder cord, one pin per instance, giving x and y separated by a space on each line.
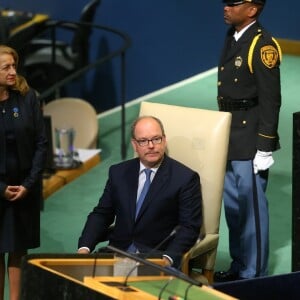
250 53
251 50
278 48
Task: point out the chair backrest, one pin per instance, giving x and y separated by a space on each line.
80 41
199 139
78 114
89 10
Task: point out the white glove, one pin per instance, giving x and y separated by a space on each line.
262 161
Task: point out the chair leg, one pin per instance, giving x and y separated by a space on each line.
209 274
198 276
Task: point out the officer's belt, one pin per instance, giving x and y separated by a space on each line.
227 104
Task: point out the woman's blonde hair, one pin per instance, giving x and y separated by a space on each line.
21 84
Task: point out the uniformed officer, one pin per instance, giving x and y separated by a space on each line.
249 88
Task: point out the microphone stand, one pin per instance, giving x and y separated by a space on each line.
164 287
168 282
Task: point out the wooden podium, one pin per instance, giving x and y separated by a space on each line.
91 277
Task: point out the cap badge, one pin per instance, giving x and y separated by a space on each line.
238 61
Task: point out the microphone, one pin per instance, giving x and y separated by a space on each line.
186 291
168 271
97 255
173 232
94 267
164 287
153 250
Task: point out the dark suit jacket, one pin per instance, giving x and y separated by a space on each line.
174 198
256 128
30 138
25 115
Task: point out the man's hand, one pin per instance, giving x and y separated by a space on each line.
166 262
262 161
83 250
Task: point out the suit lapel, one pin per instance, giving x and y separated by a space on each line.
131 181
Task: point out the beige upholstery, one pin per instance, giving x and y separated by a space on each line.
199 139
75 113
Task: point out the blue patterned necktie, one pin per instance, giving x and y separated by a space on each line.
132 248
144 191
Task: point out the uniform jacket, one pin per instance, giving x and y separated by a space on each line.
174 198
30 137
256 128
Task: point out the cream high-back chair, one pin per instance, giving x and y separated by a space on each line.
199 139
78 114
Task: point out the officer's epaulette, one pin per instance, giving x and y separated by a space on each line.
252 46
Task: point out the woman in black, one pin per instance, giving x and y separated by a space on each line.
23 147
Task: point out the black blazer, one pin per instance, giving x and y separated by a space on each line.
30 137
174 198
256 128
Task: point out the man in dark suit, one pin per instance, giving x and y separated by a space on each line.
173 199
249 88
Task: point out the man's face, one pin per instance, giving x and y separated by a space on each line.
149 142
238 15
7 70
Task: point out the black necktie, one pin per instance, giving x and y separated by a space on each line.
233 42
